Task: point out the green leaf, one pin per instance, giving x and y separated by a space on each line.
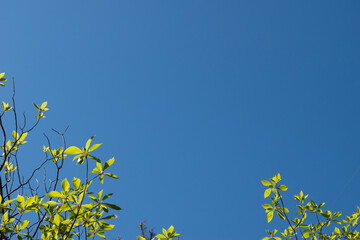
43 105
282 187
277 177
270 216
95 146
99 195
54 194
8 202
15 135
111 175
141 238
160 236
101 178
95 170
20 199
267 192
37 107
267 206
92 198
95 158
306 235
171 229
23 224
50 203
57 219
107 196
112 206
65 185
23 136
88 143
5 217
2 75
107 227
266 183
76 182
109 163
100 235
337 214
99 166
110 217
73 150
281 215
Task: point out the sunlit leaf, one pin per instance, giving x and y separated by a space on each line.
95 146
76 182
73 150
266 183
43 105
112 206
270 216
65 185
267 192
109 163
54 194
88 142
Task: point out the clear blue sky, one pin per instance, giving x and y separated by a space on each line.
198 101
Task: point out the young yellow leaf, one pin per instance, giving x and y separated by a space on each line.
50 203
266 183
109 163
267 206
95 146
88 143
282 187
306 235
111 175
15 135
73 150
267 192
76 182
54 194
160 236
24 224
98 165
20 199
43 105
99 195
270 216
65 185
23 136
171 229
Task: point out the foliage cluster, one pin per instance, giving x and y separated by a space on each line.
59 209
311 221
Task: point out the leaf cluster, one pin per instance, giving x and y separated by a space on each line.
61 210
58 209
301 226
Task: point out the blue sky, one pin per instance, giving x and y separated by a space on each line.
197 101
